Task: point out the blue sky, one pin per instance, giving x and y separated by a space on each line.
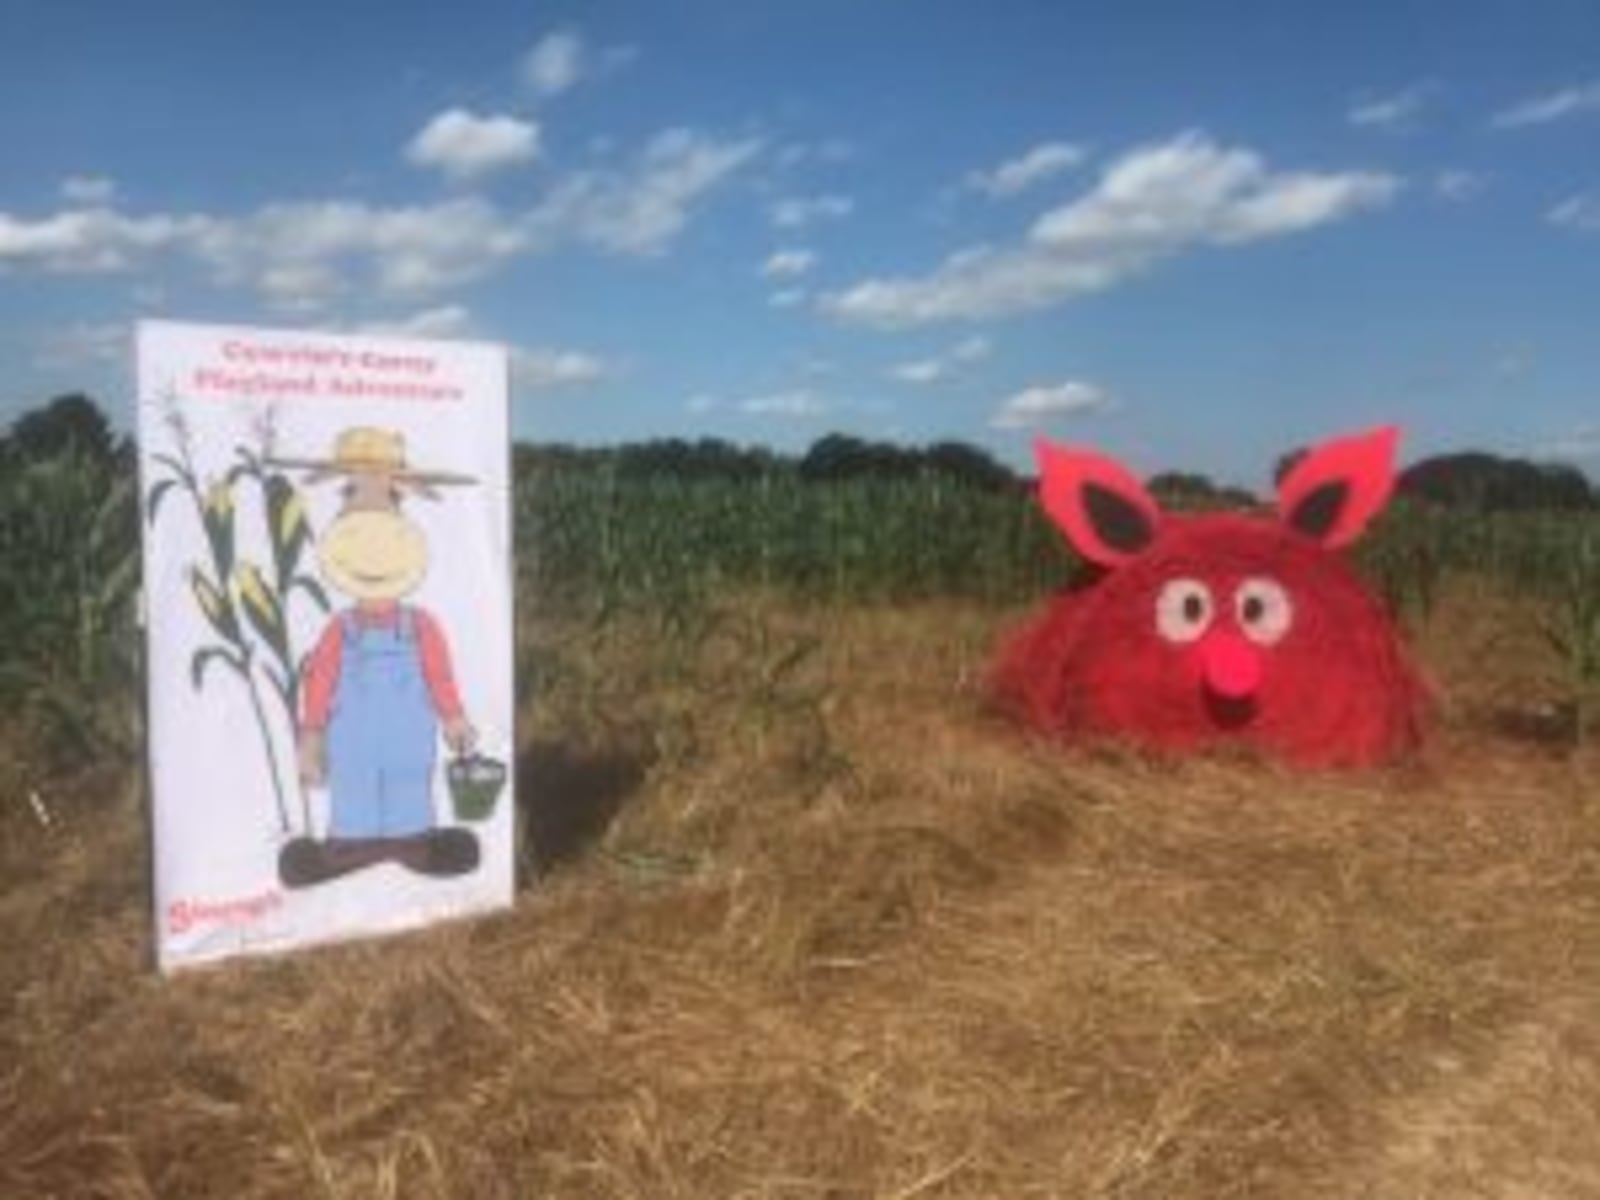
1190 234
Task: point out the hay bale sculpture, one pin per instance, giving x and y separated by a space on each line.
1223 628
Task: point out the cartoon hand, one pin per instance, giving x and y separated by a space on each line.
459 735
313 756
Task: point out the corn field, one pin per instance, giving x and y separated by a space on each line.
593 543
586 536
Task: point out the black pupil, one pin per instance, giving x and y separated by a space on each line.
1254 609
1194 608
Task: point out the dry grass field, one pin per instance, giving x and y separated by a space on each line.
804 919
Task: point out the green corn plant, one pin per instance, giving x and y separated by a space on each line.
1572 628
67 603
1404 558
588 536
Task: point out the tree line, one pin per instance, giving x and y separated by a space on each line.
74 424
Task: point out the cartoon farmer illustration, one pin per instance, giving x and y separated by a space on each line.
378 689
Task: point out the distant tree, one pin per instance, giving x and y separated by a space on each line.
707 458
1567 487
1489 483
1188 490
67 423
843 456
836 456
969 465
666 456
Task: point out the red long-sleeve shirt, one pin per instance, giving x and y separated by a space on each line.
322 668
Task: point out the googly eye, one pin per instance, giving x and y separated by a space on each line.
1263 610
1183 610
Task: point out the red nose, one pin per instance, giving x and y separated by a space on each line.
1231 665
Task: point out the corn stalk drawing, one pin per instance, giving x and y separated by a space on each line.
245 604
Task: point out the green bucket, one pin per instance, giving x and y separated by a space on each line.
476 782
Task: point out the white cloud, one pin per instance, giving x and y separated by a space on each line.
1553 106
463 145
299 287
942 366
539 369
786 264
1458 186
91 240
828 152
442 321
88 189
796 403
299 256
788 298
1152 203
561 60
794 212
922 370
296 256
1580 212
971 349
555 63
1014 175
1395 112
1033 406
83 344
641 209
701 402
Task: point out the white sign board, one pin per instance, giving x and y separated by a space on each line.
327 574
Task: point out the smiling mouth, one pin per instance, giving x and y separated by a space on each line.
1230 712
363 577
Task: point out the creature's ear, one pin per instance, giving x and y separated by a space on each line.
1105 512
1332 492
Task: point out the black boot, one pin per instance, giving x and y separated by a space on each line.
305 862
448 851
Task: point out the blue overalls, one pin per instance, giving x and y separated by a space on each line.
381 733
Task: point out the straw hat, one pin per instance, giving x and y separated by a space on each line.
364 450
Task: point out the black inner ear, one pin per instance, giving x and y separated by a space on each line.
1316 515
1121 524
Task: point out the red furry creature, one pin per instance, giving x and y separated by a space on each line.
1221 628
